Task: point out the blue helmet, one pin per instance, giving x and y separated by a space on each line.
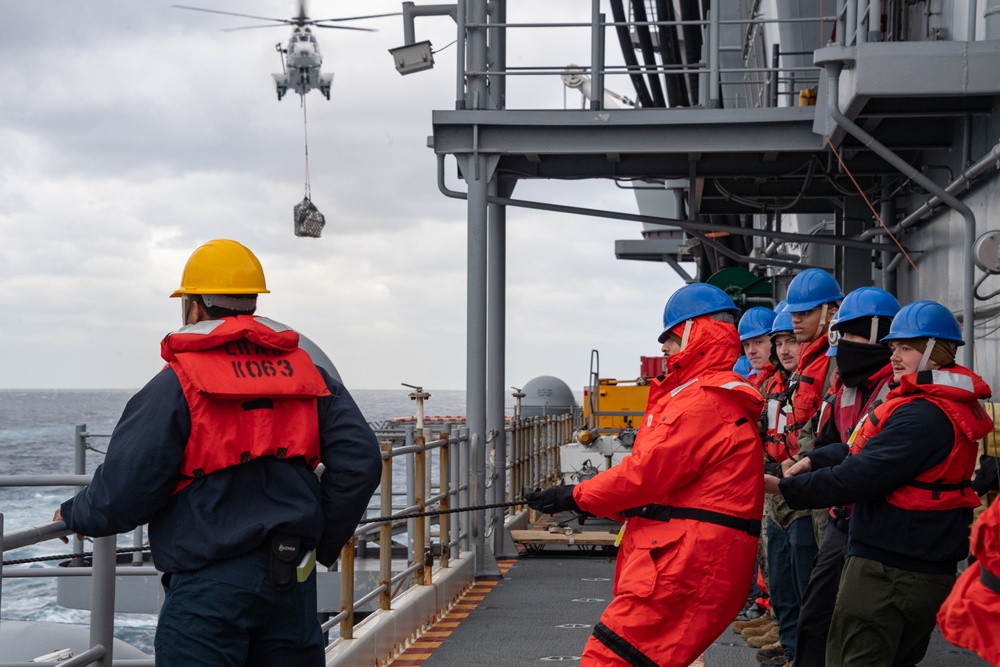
925 319
812 288
865 302
755 322
693 300
743 367
782 323
782 305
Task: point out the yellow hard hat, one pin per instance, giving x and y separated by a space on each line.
222 266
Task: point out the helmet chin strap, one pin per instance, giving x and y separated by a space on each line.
873 333
687 333
926 357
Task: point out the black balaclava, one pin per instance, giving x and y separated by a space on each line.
856 362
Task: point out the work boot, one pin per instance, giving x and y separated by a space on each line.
770 651
758 630
740 626
776 662
760 641
751 612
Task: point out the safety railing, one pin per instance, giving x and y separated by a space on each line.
742 52
437 480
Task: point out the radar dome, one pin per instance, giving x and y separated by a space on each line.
546 395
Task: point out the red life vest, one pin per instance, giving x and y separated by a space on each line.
776 418
956 391
810 380
760 378
251 392
848 410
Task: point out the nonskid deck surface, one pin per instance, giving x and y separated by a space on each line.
545 607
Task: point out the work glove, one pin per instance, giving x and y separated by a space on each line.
987 476
552 500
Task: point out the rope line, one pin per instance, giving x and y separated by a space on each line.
381 519
880 222
417 515
85 554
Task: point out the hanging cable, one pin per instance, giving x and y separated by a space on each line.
307 218
305 133
880 222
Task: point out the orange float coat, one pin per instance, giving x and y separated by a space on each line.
679 583
807 396
970 617
251 392
761 377
956 391
775 391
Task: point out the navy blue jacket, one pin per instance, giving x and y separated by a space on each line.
915 438
232 511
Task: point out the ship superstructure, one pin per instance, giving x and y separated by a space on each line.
761 137
862 138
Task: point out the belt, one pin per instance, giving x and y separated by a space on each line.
988 579
667 512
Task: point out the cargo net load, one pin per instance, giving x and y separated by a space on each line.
308 220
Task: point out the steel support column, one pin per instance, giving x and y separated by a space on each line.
478 177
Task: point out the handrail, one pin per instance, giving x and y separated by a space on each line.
533 459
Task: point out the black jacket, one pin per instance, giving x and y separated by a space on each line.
231 511
915 438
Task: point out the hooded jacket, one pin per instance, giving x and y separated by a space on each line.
679 582
970 617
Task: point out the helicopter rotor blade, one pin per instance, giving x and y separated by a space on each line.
246 16
252 27
342 27
355 18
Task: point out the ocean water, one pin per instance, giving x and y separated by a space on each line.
36 437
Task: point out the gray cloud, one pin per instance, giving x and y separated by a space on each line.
132 132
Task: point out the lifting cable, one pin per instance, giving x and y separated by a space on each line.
381 519
305 134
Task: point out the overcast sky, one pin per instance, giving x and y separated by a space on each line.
132 132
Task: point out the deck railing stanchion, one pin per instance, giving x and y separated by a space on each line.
420 499
80 468
465 474
444 526
347 589
385 531
102 607
411 492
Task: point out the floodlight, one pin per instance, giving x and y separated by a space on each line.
413 57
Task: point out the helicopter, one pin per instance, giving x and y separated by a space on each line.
301 57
